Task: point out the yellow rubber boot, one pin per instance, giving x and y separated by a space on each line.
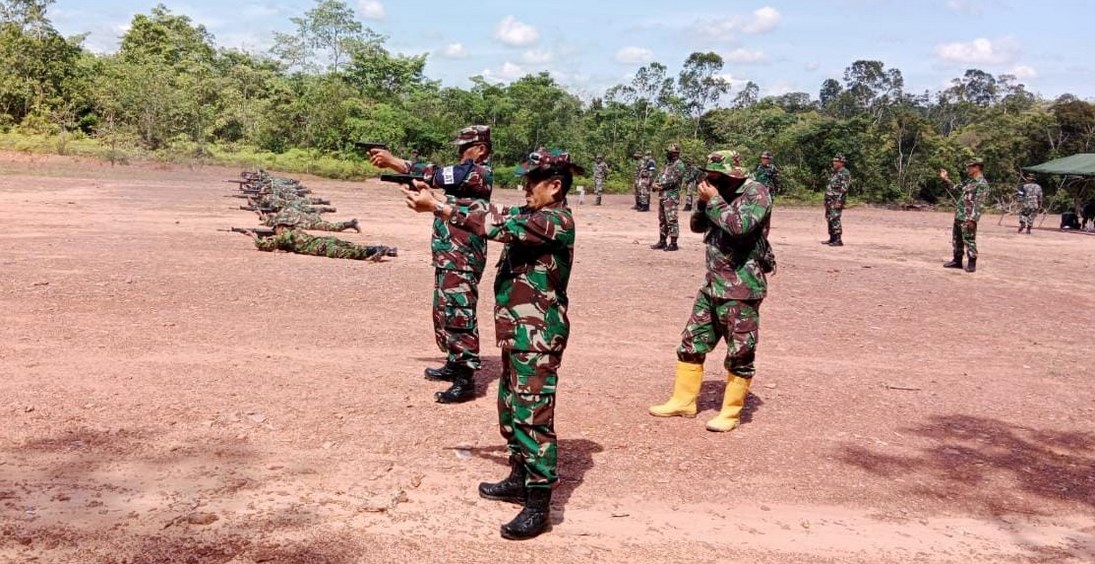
733 400
685 390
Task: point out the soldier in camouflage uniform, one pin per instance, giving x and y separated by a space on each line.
967 213
668 187
288 238
768 174
647 171
418 164
531 323
691 180
638 157
459 257
1030 196
600 173
310 221
836 194
733 213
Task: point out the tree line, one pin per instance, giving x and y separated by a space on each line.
332 81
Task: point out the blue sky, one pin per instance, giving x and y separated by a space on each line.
783 46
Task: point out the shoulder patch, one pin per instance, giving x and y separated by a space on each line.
449 175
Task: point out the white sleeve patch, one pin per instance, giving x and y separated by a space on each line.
450 176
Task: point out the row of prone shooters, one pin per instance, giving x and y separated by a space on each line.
286 209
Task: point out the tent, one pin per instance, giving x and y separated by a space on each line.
1081 164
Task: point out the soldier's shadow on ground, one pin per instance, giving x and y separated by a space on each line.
575 459
710 400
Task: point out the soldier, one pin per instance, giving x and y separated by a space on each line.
836 194
1030 196
600 173
531 323
290 239
668 187
638 158
691 179
310 221
418 164
967 212
459 258
646 179
733 213
768 174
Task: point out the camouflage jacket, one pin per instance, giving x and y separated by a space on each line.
466 185
418 167
736 233
768 175
530 291
972 201
838 186
647 170
672 176
1030 195
600 170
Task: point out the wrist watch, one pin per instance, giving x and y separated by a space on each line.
438 208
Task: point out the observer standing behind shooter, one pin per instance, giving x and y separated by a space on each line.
459 257
530 319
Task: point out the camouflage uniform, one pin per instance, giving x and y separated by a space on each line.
691 180
727 306
297 241
459 258
311 221
1031 198
966 216
418 166
669 197
646 179
768 175
531 324
836 194
600 173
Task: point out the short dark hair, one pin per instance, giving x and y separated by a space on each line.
541 174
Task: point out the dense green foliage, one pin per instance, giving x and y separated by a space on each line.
170 90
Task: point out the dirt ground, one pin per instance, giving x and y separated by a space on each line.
170 394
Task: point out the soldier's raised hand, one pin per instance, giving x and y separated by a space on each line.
382 158
944 175
705 191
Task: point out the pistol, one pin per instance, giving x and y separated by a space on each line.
368 146
404 179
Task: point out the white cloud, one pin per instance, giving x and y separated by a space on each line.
515 33
734 82
780 88
371 9
762 20
980 51
1023 72
538 56
507 73
634 55
454 51
811 67
745 57
967 7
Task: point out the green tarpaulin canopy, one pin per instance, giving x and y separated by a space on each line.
1082 164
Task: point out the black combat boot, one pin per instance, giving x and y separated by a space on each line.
688 205
1028 230
462 389
1021 227
971 265
511 489
534 519
830 241
644 208
836 242
443 374
956 262
672 246
355 225
598 201
659 245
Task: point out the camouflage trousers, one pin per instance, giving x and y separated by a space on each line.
736 321
964 239
689 195
526 413
833 209
297 241
644 193
313 225
455 327
668 224
1027 216
598 189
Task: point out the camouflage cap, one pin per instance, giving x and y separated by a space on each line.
544 160
766 155
725 162
976 161
636 155
673 148
840 159
473 134
648 154
599 157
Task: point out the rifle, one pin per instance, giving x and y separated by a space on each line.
404 179
259 209
256 231
369 146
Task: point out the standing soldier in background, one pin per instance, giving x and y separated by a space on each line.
967 212
836 194
768 174
530 317
459 258
646 179
733 213
691 179
600 173
668 187
418 164
1030 196
638 157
